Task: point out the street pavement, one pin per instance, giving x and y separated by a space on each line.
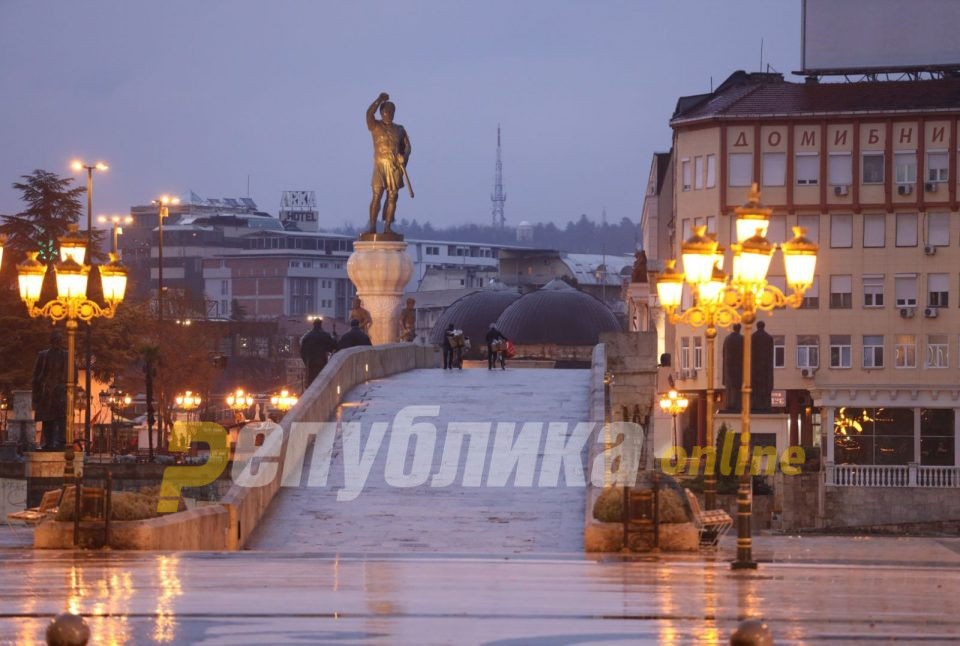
811 596
469 565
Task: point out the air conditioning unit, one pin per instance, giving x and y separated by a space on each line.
808 373
929 249
905 189
930 187
840 190
931 312
907 312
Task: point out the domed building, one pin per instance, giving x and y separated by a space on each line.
557 322
473 314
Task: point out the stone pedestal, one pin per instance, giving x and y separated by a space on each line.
44 471
380 269
21 428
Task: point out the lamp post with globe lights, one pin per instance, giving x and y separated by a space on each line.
71 305
719 301
240 402
674 404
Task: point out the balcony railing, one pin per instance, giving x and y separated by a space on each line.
906 475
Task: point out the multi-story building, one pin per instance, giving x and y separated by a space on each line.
870 170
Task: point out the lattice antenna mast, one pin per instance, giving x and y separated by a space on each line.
498 197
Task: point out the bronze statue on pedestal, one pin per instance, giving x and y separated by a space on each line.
361 315
733 370
408 322
391 152
50 393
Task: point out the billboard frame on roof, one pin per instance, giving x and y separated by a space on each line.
852 62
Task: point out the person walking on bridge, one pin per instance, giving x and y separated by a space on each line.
315 348
354 336
496 347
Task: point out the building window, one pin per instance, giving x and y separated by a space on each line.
224 287
774 169
432 251
777 229
697 353
873 351
685 174
711 224
937 437
841 231
711 171
905 165
874 230
905 290
873 436
906 351
938 168
938 229
841 292
686 228
938 351
779 351
811 297
839 169
811 223
872 168
302 295
906 229
685 353
807 169
840 351
740 167
938 290
698 172
808 351
873 291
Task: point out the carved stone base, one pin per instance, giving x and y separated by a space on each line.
380 269
385 236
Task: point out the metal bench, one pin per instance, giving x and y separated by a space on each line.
711 524
49 505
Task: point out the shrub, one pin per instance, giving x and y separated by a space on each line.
124 505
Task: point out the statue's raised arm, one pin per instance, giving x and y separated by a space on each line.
372 110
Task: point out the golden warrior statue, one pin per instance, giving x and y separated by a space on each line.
391 151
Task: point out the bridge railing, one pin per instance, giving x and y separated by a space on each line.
346 369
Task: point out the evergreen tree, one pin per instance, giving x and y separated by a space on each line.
52 206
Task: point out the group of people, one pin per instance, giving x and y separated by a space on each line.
455 343
317 345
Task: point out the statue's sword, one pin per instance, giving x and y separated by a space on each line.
403 167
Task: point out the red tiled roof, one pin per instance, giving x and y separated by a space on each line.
744 95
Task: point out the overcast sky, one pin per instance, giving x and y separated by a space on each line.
184 94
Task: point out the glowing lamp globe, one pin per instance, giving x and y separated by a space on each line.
670 286
113 276
752 216
800 260
73 246
698 253
30 275
752 260
71 279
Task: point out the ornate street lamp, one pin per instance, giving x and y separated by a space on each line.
239 401
719 302
674 404
115 400
283 401
187 401
71 305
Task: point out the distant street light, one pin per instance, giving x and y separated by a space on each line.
118 221
78 166
283 401
162 203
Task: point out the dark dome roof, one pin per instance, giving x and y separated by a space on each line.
557 314
473 314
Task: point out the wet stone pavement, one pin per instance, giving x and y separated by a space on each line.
463 565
